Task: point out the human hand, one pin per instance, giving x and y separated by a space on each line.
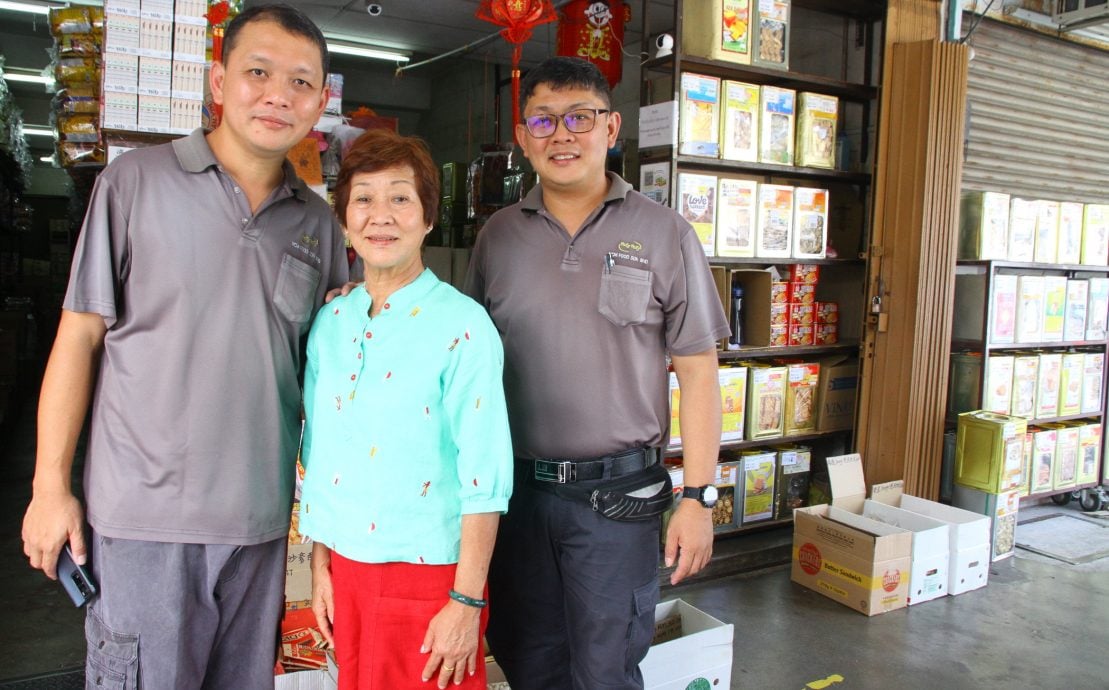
688 540
335 292
323 594
452 640
52 519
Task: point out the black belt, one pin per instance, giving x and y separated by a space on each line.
561 471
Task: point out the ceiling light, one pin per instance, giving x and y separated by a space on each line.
367 52
28 7
46 159
37 131
29 78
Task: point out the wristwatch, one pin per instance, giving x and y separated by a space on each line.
705 495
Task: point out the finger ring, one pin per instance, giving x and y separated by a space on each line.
448 669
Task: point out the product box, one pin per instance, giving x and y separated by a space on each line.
1093 367
691 649
1074 319
1089 452
765 401
774 235
999 384
736 209
839 383
1071 374
968 542
1067 441
1047 387
801 314
827 312
724 516
1030 309
825 333
733 399
718 30
928 571
1047 231
804 273
780 314
1002 511
777 120
696 203
759 471
739 136
298 573
1028 463
964 390
1026 369
1022 229
779 336
810 223
1055 301
1095 235
794 471
654 182
984 225
699 118
772 33
816 130
799 335
1042 470
155 76
154 113
989 451
1069 249
675 406
802 293
1003 317
1097 308
802 382
779 292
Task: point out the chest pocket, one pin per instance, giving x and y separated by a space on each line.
625 294
295 292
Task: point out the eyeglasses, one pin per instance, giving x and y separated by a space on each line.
577 121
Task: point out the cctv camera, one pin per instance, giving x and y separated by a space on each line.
665 45
374 9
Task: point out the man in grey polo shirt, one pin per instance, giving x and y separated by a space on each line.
591 286
198 270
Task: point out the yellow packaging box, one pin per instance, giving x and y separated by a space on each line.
1089 452
733 400
1044 439
759 470
802 381
817 116
765 401
717 30
736 211
739 122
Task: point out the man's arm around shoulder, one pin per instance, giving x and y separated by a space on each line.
54 515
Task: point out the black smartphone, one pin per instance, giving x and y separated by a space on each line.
77 582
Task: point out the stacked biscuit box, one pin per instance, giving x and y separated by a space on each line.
887 552
780 309
994 225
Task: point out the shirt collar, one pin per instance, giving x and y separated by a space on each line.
618 189
195 156
403 300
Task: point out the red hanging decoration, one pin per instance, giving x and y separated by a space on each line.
518 17
594 30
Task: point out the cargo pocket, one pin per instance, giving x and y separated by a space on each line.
295 292
625 293
113 658
642 627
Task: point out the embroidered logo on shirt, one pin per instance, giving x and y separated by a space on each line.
630 247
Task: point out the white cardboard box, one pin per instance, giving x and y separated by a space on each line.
931 556
703 649
969 567
1001 509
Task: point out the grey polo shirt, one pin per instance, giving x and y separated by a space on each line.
195 421
587 321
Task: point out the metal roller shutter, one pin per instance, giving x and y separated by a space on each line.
1039 116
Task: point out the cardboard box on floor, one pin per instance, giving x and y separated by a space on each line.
689 645
857 561
968 537
929 566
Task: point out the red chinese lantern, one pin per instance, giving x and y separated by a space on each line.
594 30
518 17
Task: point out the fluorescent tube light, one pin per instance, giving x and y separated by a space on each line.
28 7
46 159
366 52
37 131
29 78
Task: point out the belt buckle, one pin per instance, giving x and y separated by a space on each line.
554 471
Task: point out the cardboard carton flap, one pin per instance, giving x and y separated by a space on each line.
864 524
888 493
845 476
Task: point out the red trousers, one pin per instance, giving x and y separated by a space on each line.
382 611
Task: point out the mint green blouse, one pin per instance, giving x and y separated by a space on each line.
406 428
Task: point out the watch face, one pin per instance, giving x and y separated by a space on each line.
710 496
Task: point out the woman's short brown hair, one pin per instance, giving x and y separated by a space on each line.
380 149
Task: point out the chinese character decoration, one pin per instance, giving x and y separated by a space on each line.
518 17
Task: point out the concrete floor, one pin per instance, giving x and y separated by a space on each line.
1038 624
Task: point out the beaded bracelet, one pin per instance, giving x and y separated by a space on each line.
468 601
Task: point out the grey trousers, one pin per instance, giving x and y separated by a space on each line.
572 594
181 616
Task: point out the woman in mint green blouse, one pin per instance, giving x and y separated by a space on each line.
406 443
